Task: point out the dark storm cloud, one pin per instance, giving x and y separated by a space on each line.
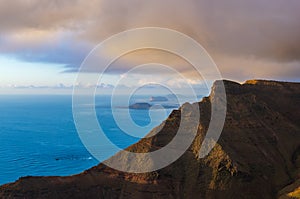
237 33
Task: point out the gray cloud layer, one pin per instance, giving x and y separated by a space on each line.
247 39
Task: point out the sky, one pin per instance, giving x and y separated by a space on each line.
43 43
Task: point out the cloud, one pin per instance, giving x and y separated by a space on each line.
45 46
247 39
58 86
46 15
45 31
263 28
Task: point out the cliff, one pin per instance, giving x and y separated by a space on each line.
257 155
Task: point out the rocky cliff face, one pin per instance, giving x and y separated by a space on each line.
257 155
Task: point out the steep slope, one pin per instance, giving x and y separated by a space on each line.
257 155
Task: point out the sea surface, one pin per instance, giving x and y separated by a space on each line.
38 135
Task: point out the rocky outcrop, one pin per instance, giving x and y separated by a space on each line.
257 155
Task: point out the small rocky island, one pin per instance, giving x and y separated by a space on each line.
141 105
145 105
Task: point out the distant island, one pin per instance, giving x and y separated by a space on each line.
145 105
175 96
141 105
158 99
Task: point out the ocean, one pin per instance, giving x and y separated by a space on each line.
38 136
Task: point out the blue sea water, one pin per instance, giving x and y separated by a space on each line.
38 136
